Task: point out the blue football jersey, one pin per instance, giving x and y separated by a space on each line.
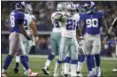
14 17
92 22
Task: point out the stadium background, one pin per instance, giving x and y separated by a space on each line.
43 10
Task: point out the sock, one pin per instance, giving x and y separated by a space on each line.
17 59
57 65
97 59
27 62
24 62
98 70
81 59
62 68
48 61
27 58
66 65
73 68
7 62
3 70
90 62
79 66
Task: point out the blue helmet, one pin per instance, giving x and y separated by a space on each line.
89 7
20 5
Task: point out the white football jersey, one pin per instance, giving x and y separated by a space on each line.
69 29
56 24
27 21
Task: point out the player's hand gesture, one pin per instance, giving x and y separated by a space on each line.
36 40
79 38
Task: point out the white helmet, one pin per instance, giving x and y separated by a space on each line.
28 8
60 6
70 6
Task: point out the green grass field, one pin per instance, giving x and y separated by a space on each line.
37 63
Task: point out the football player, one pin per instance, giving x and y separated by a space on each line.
16 43
30 27
81 53
68 43
114 26
92 44
81 58
55 37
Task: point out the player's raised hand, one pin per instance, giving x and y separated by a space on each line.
36 40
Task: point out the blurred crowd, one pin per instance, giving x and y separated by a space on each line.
43 10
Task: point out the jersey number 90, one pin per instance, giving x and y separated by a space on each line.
92 23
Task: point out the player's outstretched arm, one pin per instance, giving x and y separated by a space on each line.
104 25
34 30
112 26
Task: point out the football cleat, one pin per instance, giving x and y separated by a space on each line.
92 74
33 74
56 75
114 70
66 75
46 71
3 74
99 74
16 70
79 74
29 73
